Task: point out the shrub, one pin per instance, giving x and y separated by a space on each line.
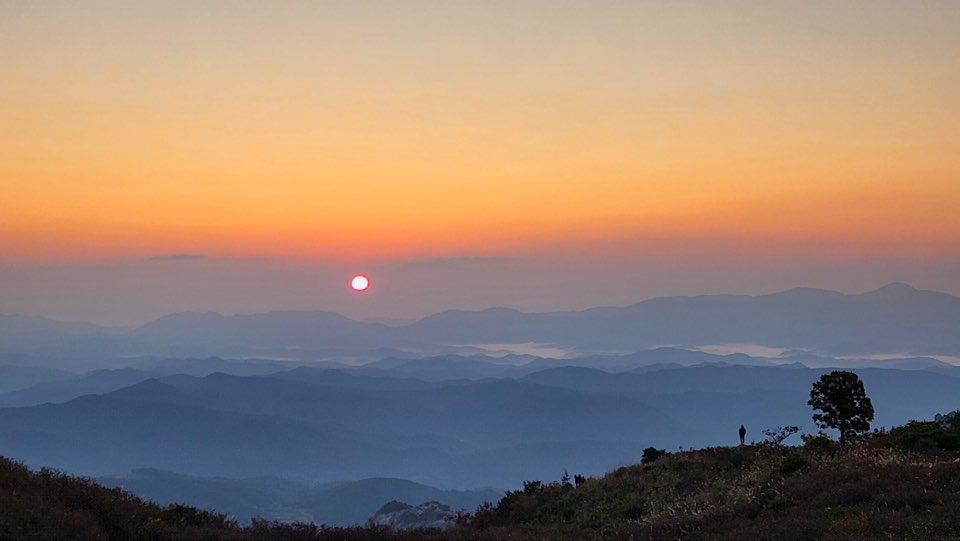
775 437
793 464
924 436
817 442
651 454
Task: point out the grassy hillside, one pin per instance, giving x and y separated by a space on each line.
759 492
903 484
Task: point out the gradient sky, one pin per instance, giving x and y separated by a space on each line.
542 155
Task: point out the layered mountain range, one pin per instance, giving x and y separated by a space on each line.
893 319
313 403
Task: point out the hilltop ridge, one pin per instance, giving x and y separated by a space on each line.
902 484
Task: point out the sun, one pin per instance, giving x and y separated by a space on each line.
360 283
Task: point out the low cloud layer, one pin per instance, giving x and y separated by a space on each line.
458 260
177 257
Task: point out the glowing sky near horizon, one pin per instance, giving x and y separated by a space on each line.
382 132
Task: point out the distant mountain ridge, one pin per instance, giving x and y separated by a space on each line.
893 319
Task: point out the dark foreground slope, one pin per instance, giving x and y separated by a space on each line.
899 485
750 493
45 505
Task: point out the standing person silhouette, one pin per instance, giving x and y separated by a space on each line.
743 433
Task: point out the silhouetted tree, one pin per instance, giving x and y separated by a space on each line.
843 402
651 454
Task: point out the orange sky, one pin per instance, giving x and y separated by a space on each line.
378 131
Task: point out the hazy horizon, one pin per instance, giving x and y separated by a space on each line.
170 156
104 298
